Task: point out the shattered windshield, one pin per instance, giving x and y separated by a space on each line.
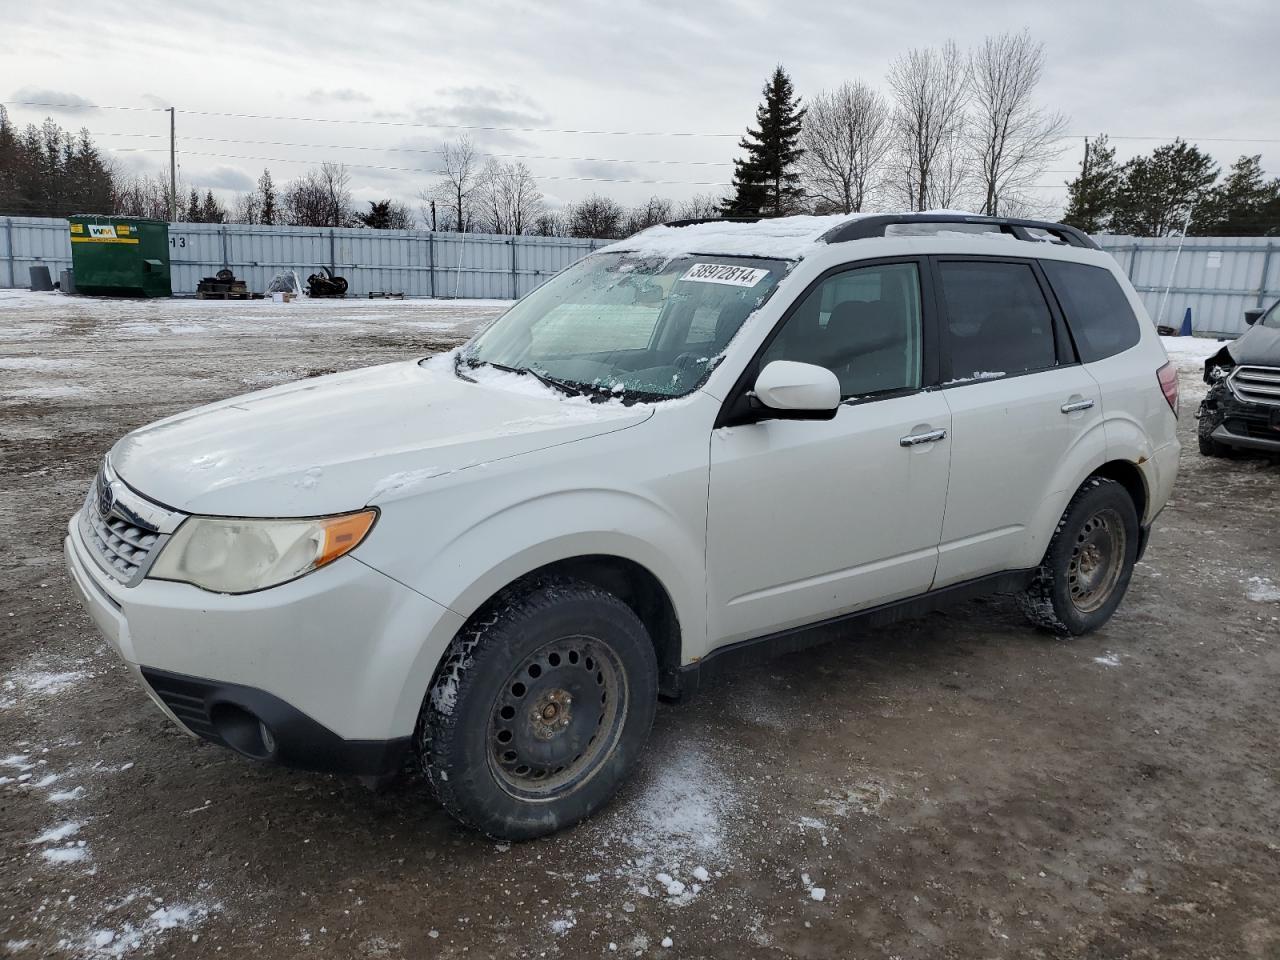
636 327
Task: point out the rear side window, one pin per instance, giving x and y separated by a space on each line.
1098 313
998 322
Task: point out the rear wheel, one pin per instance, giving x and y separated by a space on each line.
1087 568
539 710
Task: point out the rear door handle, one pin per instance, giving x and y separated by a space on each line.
1075 406
914 439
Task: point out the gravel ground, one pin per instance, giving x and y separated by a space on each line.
957 786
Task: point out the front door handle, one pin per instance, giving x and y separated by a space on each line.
914 439
1074 406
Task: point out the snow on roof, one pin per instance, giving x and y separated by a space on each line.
784 238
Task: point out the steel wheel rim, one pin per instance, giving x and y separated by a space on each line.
1097 560
557 718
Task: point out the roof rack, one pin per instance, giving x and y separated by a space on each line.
874 226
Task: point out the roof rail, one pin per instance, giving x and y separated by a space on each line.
691 221
874 226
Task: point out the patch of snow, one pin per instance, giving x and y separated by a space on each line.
1262 590
1109 659
812 823
818 893
74 854
701 875
1190 353
40 363
667 942
65 796
59 833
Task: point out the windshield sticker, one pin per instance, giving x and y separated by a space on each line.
724 273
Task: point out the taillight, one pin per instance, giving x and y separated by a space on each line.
1168 377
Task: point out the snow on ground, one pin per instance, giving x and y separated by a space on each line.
1190 353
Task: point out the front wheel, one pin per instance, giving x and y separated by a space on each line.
1087 568
539 710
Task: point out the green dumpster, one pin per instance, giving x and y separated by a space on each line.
120 256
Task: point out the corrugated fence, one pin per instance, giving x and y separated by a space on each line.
415 263
1217 277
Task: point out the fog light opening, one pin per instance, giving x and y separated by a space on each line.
243 732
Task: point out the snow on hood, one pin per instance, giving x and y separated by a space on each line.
337 443
783 238
1258 344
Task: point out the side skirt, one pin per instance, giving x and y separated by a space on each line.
760 649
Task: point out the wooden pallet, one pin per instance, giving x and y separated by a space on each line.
383 295
223 295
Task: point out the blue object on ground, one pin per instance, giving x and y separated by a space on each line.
1186 324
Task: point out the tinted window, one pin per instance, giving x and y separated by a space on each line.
863 325
998 320
1098 312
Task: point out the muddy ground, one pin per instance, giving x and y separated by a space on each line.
958 786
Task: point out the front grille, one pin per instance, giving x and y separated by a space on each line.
1256 384
124 547
123 530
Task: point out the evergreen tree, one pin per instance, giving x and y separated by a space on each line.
267 212
1245 204
766 183
193 212
1091 196
378 217
211 211
1158 193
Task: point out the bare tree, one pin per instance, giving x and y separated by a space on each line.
846 135
549 223
144 196
700 206
653 211
930 91
320 198
460 178
1011 140
509 198
247 208
595 216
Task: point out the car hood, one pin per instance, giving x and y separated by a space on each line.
339 442
1258 344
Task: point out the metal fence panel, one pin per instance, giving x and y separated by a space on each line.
413 262
1217 277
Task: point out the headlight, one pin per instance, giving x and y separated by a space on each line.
240 556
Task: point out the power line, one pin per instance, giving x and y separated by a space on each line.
383 123
497 129
433 173
431 150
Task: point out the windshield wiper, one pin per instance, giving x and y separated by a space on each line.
564 386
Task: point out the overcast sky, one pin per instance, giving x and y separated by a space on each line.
1205 71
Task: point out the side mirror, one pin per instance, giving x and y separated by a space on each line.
1253 315
798 391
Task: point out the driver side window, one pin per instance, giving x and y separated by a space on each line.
863 325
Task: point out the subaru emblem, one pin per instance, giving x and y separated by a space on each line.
106 497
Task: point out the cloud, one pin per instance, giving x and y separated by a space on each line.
476 109
155 101
338 94
600 170
66 102
223 178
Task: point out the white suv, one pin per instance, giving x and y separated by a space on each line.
705 443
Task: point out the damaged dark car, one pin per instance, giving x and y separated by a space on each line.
1241 411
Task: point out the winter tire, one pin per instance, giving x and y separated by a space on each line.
1086 570
539 710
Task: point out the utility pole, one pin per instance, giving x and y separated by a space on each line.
1084 170
173 168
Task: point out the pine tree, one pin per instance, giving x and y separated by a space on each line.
1158 193
1245 204
211 211
192 213
766 182
1091 196
267 212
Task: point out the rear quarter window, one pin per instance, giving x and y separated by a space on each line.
1097 310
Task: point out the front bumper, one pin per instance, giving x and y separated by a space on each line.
335 664
1244 424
